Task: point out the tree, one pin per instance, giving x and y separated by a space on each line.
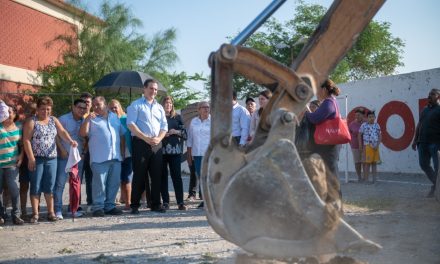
376 53
177 88
104 46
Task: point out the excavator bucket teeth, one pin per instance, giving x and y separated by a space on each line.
268 204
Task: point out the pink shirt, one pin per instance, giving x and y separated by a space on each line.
354 131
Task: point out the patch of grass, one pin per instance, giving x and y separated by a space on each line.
371 204
65 251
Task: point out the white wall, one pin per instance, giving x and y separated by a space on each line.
391 96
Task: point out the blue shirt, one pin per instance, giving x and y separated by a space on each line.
72 127
104 138
149 118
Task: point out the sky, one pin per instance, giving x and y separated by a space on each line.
203 25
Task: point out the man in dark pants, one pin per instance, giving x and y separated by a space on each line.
427 138
88 175
148 125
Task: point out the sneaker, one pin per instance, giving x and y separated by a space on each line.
114 211
17 220
166 206
201 205
98 213
59 215
89 209
191 198
182 207
78 213
134 211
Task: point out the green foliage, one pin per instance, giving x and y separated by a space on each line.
176 87
100 47
376 53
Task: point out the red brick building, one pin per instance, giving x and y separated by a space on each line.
26 28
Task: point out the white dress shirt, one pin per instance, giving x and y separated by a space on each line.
240 123
199 135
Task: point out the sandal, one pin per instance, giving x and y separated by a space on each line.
34 219
52 217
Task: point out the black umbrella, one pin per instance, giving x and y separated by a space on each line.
125 82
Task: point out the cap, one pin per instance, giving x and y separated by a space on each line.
250 99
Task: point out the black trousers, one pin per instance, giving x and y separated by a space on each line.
88 175
173 162
147 165
192 189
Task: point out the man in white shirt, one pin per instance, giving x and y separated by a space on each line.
241 120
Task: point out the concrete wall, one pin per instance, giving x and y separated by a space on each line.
397 101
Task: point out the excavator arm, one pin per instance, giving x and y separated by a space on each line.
262 198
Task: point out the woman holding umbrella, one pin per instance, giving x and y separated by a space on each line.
39 133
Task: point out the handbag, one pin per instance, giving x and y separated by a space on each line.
332 131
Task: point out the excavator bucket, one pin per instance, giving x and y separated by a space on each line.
266 199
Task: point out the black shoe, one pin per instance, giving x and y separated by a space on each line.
182 207
166 206
134 211
158 209
201 205
114 211
98 213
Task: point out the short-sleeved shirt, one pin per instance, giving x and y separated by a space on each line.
104 138
149 118
72 127
199 135
370 134
354 132
4 111
43 139
9 146
429 125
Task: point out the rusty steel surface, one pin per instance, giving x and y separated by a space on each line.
264 198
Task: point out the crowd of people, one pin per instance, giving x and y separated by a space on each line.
132 151
136 150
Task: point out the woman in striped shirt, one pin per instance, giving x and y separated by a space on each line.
10 159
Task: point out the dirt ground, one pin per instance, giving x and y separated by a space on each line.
394 212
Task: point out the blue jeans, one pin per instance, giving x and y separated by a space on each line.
105 184
43 177
60 182
127 170
428 152
9 175
198 167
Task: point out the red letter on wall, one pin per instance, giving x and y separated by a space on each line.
402 110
